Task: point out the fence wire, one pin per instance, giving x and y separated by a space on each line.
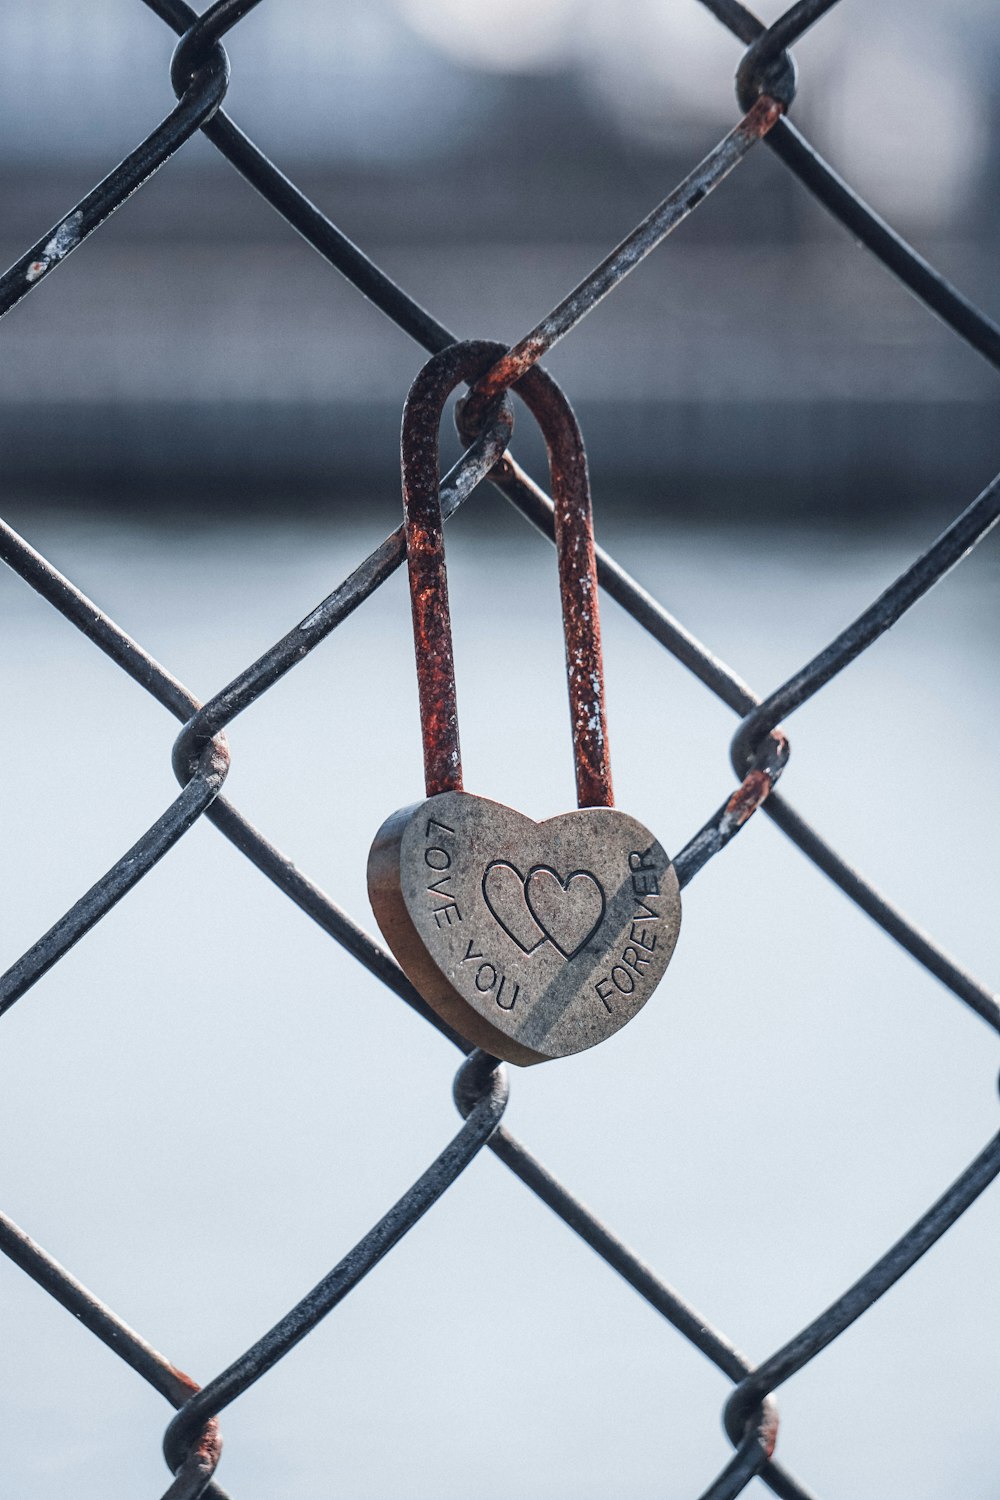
765 88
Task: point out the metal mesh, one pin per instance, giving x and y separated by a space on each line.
766 84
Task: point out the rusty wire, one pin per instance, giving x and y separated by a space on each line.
760 750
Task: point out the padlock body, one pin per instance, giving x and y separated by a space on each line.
532 940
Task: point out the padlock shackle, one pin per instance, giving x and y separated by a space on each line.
574 531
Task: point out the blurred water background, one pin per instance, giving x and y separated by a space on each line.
207 1102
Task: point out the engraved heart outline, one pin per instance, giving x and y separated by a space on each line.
565 884
538 920
505 864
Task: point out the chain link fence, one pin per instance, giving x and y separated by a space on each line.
766 87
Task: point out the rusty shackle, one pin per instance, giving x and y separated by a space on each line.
574 531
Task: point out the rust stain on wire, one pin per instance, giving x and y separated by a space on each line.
633 249
424 532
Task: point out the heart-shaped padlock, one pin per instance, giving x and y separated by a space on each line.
532 940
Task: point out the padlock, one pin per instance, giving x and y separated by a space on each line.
531 940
